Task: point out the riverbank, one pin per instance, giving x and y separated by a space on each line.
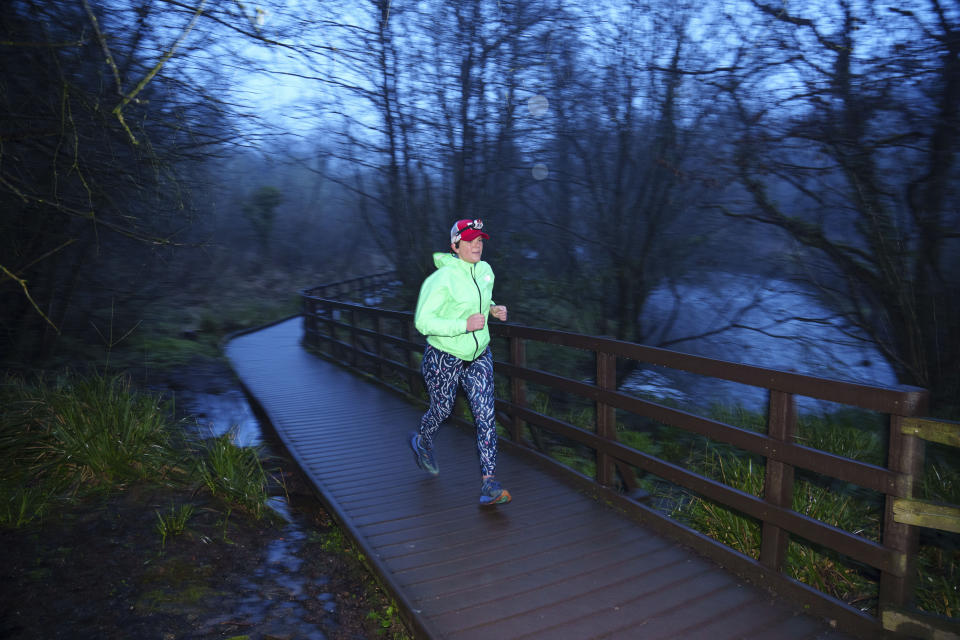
103 568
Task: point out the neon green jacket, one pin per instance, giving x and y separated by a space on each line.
449 295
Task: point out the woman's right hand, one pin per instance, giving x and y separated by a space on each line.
476 322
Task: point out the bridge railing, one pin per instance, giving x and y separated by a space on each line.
384 344
345 289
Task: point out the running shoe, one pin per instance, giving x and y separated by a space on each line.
492 493
423 455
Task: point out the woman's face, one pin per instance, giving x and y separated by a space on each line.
469 251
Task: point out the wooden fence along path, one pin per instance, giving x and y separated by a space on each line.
554 563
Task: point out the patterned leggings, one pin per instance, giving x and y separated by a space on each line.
443 373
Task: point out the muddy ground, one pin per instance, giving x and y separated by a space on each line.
103 570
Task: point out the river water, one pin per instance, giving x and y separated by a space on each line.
776 325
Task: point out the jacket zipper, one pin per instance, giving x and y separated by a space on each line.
476 342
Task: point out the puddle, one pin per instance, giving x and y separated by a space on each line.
217 413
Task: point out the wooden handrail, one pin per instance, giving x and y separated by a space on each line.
941 431
384 343
903 400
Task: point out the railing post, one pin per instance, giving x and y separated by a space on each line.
352 319
379 322
329 317
606 421
310 320
518 386
778 484
336 316
906 458
414 380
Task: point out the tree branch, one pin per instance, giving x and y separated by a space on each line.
26 293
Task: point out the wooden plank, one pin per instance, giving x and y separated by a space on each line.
916 624
628 603
521 615
744 621
922 513
940 431
677 622
527 583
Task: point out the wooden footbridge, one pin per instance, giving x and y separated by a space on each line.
572 556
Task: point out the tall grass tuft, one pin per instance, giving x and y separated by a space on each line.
66 437
22 505
721 523
234 474
851 433
99 432
174 522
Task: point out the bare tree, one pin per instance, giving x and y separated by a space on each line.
109 112
435 133
851 151
633 158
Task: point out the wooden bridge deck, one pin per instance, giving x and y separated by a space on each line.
552 564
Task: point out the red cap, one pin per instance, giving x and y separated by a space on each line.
467 230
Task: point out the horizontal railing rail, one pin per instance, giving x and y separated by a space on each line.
351 286
384 344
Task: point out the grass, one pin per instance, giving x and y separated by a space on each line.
859 435
55 450
85 432
383 611
65 438
234 474
174 522
938 588
386 618
24 505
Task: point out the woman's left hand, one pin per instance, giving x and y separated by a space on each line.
499 312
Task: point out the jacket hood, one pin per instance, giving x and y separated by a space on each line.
441 259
